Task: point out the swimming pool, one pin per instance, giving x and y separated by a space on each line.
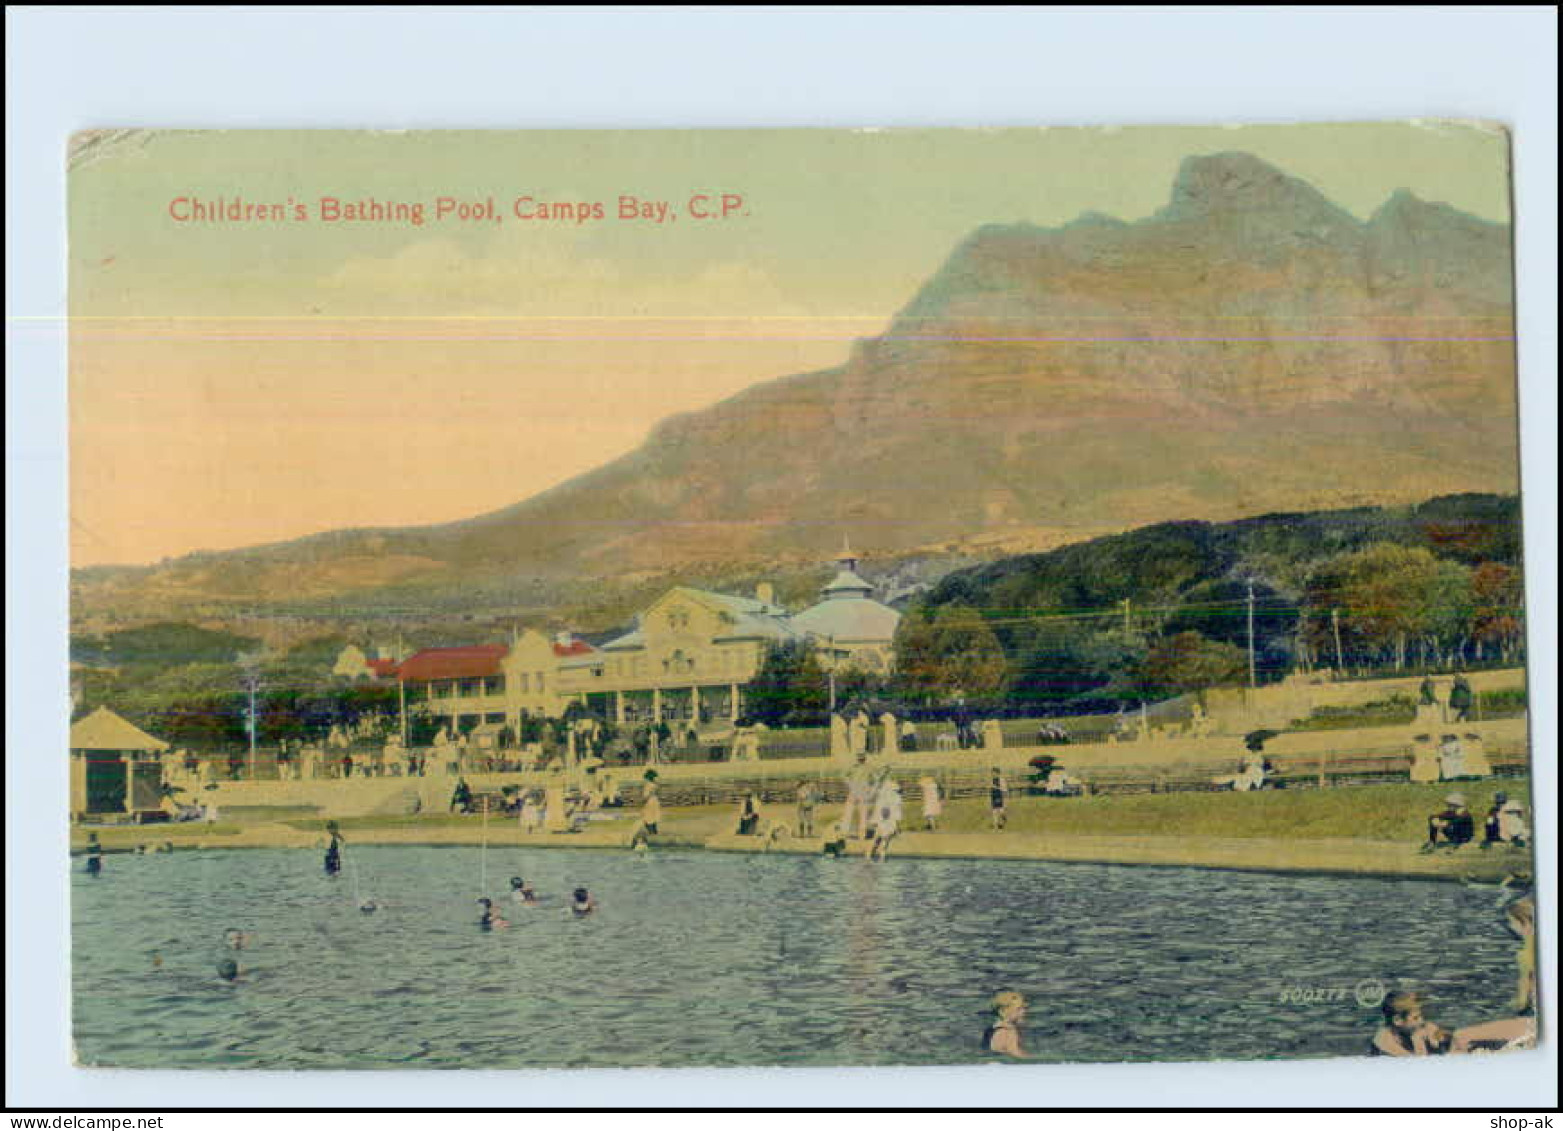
699 958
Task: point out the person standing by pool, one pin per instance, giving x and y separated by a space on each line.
749 815
808 798
1003 1036
933 804
998 797
651 810
888 813
333 849
94 855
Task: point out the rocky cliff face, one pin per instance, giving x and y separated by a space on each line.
1250 347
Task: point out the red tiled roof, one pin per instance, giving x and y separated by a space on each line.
574 648
468 662
382 668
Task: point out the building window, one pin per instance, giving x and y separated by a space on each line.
494 685
440 690
539 683
468 688
526 683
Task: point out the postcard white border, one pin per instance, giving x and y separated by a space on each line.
421 67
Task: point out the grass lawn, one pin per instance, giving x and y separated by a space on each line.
1363 812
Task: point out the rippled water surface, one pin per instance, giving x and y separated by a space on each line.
700 958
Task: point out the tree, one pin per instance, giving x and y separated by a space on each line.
790 689
1189 662
949 655
1497 606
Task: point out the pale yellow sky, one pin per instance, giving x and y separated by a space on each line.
234 383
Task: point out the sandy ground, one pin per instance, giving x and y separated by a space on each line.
712 828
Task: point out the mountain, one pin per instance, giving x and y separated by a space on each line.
1250 347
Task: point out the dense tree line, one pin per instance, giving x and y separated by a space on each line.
1166 609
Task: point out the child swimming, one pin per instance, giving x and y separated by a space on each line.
521 891
1405 1031
582 902
491 919
1003 1036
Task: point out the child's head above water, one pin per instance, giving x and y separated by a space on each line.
517 883
228 970
1008 1005
1402 1011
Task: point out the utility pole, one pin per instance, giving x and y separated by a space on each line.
401 700
252 685
830 642
1253 678
1340 664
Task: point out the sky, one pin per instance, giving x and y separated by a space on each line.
240 382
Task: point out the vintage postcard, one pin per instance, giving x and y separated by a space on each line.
799 597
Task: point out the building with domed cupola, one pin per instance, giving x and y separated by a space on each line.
848 628
690 655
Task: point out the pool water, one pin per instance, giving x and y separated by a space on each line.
700 958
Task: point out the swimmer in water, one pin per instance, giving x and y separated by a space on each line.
94 855
228 971
368 906
1406 1032
1003 1036
490 918
333 849
583 903
235 939
521 891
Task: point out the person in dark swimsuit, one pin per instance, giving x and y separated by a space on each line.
1406 1032
490 919
333 849
94 855
998 793
582 904
1003 1036
521 891
836 842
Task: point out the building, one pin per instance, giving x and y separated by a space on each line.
352 662
849 628
116 767
688 657
490 684
463 687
